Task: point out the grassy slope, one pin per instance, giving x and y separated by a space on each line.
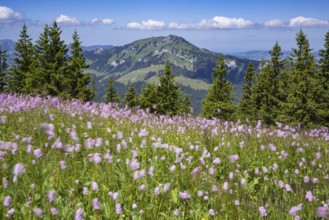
114 147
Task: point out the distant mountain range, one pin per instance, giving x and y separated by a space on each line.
264 55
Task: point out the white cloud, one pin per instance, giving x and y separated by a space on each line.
66 20
274 23
307 22
7 15
221 22
106 21
217 22
147 25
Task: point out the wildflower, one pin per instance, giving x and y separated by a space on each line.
38 212
172 168
10 212
233 158
94 186
62 164
243 181
96 204
184 195
205 198
19 169
309 196
176 212
262 211
214 188
151 171
134 165
51 195
306 179
142 187
256 171
225 186
53 211
322 212
195 171
141 212
115 196
315 180
211 171
37 153
200 193
134 206
166 187
118 209
85 191
7 201
211 212
96 158
288 187
237 202
5 182
79 214
293 211
157 190
216 160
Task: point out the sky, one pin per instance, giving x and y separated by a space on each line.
217 25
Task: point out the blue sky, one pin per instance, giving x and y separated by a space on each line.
227 26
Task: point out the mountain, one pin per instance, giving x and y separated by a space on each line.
264 55
9 46
143 60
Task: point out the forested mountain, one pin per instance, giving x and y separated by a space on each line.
142 61
264 55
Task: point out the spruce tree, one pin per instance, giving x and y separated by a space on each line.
79 80
185 105
301 106
168 93
131 97
149 97
268 87
3 70
59 84
218 102
323 82
110 92
247 106
44 59
22 70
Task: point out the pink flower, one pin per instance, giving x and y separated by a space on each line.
18 169
7 201
53 211
225 186
96 204
184 195
10 212
118 209
62 164
262 211
309 196
212 212
293 211
38 212
94 186
322 212
79 214
37 153
51 195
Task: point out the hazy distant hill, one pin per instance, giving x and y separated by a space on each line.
9 46
142 61
264 55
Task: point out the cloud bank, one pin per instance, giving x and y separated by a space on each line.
66 20
147 25
8 16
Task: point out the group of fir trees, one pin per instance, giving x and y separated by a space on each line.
164 98
293 90
46 68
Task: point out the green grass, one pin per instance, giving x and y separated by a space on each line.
201 150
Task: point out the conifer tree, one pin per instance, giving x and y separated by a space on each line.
79 80
149 97
110 92
44 59
185 105
59 84
301 106
131 97
247 106
3 70
268 87
22 69
323 82
168 93
218 102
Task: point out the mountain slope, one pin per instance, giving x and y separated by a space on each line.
143 60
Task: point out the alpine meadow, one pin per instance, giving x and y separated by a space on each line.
160 128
